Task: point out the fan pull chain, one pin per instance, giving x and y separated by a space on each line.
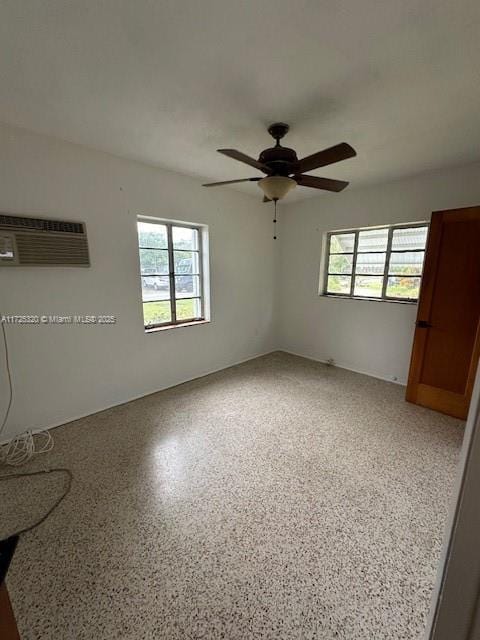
275 220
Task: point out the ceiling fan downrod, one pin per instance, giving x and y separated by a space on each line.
275 219
278 130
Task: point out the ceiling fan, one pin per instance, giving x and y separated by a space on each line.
284 171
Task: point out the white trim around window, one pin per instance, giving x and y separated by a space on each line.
173 272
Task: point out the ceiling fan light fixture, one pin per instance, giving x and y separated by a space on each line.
276 187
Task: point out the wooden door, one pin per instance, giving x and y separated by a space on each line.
446 345
8 626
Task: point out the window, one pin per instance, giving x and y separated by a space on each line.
171 268
378 263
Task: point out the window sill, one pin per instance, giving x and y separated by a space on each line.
177 326
340 297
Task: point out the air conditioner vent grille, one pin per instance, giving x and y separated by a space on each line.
39 224
42 242
37 248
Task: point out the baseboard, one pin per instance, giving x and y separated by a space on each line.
197 377
342 366
71 419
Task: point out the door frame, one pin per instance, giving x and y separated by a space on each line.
455 610
445 401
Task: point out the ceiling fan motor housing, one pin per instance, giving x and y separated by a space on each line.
279 159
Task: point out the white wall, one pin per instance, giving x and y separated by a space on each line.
264 294
368 336
62 372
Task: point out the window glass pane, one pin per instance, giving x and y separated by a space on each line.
340 263
155 288
185 262
165 248
152 235
339 284
406 263
342 243
409 238
187 286
188 309
373 240
184 238
370 263
401 287
156 313
368 286
153 261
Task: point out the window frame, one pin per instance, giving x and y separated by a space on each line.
385 275
174 322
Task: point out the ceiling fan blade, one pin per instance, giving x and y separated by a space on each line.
242 157
339 152
321 183
217 184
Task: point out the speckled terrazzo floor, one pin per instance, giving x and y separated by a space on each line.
279 499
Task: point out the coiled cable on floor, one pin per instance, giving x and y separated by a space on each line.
22 447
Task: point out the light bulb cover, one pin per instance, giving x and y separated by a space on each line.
276 187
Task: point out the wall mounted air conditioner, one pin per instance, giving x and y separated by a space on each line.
34 242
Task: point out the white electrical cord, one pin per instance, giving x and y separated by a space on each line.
9 377
22 447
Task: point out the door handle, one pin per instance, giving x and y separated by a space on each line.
422 324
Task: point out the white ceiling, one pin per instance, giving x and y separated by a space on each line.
169 81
